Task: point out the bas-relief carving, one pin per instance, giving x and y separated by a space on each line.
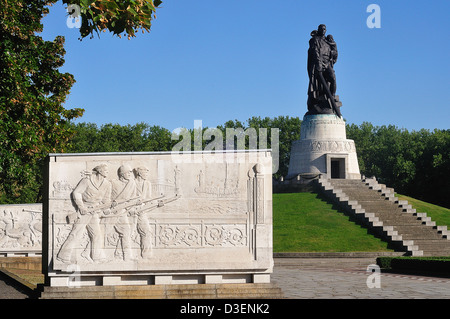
328 146
110 213
202 235
20 228
112 220
222 186
328 121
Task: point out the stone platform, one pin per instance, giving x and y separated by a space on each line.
31 263
202 291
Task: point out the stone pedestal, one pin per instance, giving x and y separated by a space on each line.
323 149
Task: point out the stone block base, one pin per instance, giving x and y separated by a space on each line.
184 291
32 263
75 280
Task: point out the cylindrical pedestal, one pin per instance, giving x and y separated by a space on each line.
323 149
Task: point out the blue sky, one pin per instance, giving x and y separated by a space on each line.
216 61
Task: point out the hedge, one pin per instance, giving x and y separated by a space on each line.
421 264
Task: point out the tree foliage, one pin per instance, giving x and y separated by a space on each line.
33 120
32 92
117 16
289 131
141 137
414 163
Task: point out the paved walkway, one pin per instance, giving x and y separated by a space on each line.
327 278
346 278
9 289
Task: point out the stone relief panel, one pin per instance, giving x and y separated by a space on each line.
345 146
143 212
20 228
226 184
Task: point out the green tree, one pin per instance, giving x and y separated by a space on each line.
32 91
413 163
433 168
118 16
363 136
33 121
288 131
141 137
157 139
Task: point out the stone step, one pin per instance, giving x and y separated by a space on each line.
417 253
382 208
394 216
413 230
199 291
384 205
368 199
387 212
431 244
399 220
404 227
357 188
408 232
416 228
420 236
436 253
381 200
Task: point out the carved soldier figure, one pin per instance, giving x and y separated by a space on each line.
322 55
144 191
123 190
91 196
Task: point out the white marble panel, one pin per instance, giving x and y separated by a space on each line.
20 230
158 214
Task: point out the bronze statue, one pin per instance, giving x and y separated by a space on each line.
322 55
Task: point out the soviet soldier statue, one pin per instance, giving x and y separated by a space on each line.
322 55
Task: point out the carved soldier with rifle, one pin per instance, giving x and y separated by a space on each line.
123 189
96 198
144 191
91 196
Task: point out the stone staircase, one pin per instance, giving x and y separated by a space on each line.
375 206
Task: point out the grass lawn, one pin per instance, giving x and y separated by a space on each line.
438 214
304 223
